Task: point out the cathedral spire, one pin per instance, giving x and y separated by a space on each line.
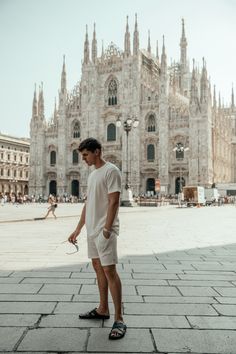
219 101
157 52
41 102
127 39
149 43
86 47
102 54
232 98
35 104
194 88
55 110
163 57
183 49
136 38
94 45
214 97
63 76
204 83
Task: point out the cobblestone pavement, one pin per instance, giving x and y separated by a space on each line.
178 269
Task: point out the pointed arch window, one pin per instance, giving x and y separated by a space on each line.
76 130
75 157
151 125
112 93
150 153
111 132
53 158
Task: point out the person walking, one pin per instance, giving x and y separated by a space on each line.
52 207
100 215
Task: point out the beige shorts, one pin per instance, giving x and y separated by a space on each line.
104 249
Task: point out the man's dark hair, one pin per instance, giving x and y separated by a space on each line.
90 144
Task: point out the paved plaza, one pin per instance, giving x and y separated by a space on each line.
178 269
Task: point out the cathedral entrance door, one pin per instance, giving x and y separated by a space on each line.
75 187
150 185
53 187
178 187
26 191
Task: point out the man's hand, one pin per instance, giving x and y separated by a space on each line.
106 233
72 238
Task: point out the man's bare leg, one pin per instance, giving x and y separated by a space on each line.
115 288
103 308
47 214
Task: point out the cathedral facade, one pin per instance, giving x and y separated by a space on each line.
172 128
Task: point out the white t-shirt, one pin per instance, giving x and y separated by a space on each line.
101 182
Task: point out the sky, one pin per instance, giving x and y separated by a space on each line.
35 34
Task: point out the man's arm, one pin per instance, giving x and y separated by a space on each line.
113 205
73 236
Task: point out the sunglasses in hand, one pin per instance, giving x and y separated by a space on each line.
75 245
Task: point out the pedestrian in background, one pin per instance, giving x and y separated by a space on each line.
52 207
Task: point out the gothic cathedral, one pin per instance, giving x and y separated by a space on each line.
185 135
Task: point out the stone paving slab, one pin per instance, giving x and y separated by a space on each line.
8 280
209 272
200 283
143 267
226 300
60 289
21 320
31 352
177 267
169 309
154 276
158 290
136 282
19 288
40 274
217 266
197 291
226 310
9 337
231 292
35 297
74 307
53 339
204 277
220 322
5 273
64 281
68 320
27 307
136 341
181 299
184 341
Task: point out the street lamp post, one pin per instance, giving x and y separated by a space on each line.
128 124
180 149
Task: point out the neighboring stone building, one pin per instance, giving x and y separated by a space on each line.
14 165
174 108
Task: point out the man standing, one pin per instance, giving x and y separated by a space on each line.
100 214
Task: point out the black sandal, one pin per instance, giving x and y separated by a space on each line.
118 330
91 315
